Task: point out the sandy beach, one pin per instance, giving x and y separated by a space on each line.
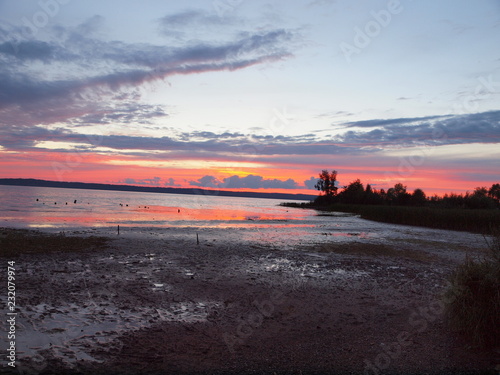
157 302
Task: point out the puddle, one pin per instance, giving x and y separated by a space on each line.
70 331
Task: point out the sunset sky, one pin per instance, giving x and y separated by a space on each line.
250 94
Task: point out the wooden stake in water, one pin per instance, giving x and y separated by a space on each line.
197 239
118 229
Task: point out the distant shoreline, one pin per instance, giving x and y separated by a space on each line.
148 189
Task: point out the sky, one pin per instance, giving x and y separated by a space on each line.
251 95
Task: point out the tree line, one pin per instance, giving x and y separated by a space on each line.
357 193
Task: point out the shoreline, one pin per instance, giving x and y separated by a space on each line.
30 182
155 305
459 219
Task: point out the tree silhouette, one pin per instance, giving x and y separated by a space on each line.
326 183
494 192
418 197
353 193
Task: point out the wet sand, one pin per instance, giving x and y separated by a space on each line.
156 303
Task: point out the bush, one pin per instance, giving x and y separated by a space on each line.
325 200
475 297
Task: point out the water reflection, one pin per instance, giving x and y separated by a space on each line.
261 221
51 208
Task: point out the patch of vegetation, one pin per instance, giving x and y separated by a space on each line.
475 221
474 297
14 242
359 248
472 212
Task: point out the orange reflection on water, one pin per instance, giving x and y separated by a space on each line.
208 214
156 215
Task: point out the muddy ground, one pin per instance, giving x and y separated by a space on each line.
149 305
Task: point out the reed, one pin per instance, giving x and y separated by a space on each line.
476 221
474 295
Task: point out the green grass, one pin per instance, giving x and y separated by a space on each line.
474 298
476 221
14 242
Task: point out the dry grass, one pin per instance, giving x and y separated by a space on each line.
376 250
470 220
474 297
14 242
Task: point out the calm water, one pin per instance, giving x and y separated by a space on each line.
55 207
235 219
